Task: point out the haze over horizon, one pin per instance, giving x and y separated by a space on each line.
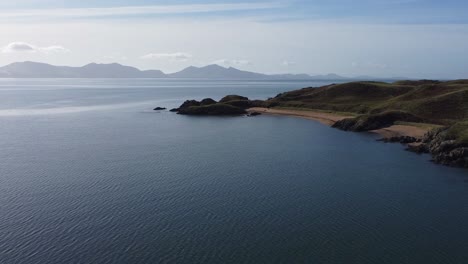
414 38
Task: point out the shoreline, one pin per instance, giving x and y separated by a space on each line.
325 118
330 118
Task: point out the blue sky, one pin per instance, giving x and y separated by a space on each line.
371 11
415 38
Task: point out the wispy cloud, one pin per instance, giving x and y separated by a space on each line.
53 49
177 56
289 63
136 10
234 62
16 47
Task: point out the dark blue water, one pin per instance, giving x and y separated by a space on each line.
89 174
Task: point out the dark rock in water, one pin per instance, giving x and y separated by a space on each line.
418 148
457 156
214 109
189 103
174 110
440 143
229 98
443 149
346 124
375 121
207 101
229 105
159 108
254 114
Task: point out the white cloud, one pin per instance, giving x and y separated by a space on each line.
16 47
235 62
289 63
177 56
53 49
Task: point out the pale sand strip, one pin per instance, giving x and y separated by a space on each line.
322 117
330 119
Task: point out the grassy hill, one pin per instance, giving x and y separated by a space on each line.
441 102
378 104
432 101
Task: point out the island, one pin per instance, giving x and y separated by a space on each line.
229 105
428 116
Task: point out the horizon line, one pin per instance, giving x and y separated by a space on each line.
225 67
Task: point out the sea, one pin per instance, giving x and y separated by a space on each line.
89 173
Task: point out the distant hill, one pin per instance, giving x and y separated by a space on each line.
30 69
216 72
115 70
42 70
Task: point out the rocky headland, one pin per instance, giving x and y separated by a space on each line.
428 116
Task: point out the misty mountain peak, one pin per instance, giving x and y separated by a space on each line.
29 69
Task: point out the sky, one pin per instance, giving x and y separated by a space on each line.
382 38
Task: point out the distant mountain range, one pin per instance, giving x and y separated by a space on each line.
93 70
114 70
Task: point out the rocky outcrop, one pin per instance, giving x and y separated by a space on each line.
376 121
214 109
189 103
443 148
228 105
440 143
254 114
239 103
229 98
207 101
159 108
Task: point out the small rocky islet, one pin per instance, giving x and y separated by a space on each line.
159 108
374 105
230 105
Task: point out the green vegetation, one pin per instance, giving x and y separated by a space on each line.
230 98
421 125
425 103
213 109
436 102
459 132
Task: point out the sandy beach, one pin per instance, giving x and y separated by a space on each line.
330 118
322 117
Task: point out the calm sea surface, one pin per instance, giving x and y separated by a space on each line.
90 174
